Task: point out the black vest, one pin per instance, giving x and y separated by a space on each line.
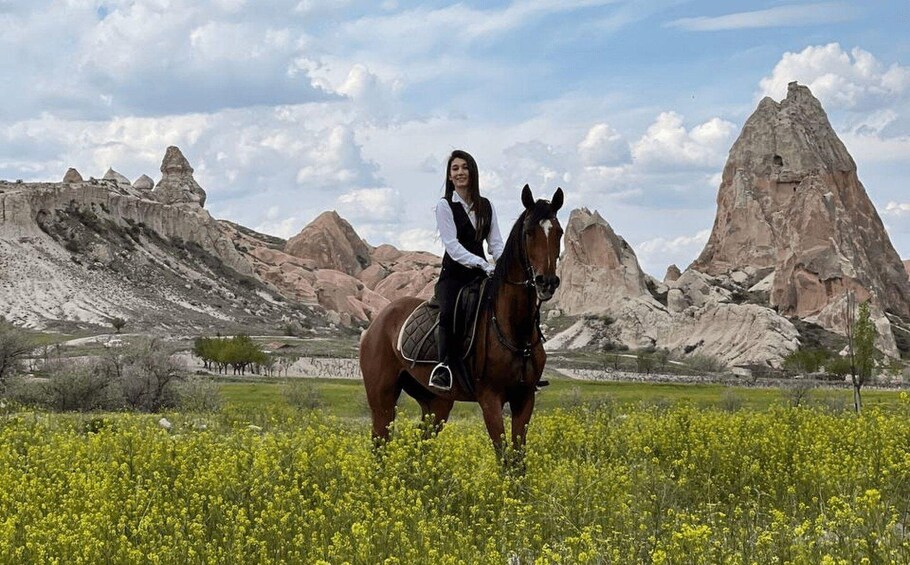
467 236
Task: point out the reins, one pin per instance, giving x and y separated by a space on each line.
526 350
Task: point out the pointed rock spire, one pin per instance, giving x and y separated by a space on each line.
72 175
790 202
597 267
331 243
113 175
177 184
144 182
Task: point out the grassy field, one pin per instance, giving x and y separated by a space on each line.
346 398
622 482
285 472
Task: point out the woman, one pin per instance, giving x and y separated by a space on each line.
464 220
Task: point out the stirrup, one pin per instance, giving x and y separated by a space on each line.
437 375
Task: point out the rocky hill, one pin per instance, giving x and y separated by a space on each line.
328 265
791 207
80 252
620 305
794 232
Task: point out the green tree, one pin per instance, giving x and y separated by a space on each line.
861 335
644 362
806 361
14 346
117 323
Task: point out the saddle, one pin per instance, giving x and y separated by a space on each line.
417 338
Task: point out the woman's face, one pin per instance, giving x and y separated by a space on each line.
459 173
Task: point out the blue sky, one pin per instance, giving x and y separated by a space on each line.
290 108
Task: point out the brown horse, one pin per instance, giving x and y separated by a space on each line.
508 357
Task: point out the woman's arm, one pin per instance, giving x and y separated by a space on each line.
494 238
448 233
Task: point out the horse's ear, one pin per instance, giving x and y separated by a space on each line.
556 203
526 197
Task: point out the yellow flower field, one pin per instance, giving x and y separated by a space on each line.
637 485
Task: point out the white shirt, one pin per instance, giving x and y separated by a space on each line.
448 233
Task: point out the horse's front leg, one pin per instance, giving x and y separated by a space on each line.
522 405
491 405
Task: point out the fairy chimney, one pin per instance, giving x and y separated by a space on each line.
790 201
72 175
177 184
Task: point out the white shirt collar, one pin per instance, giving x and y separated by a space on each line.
457 198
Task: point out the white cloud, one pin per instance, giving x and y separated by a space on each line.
667 143
897 209
793 15
336 160
659 252
873 148
420 239
284 228
603 146
371 205
151 57
841 80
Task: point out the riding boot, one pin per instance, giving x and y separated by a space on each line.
441 377
457 365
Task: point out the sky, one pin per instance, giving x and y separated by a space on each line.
289 108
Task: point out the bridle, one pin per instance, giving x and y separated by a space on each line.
526 350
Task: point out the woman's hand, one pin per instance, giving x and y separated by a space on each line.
488 268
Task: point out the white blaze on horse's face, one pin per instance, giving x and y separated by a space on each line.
546 225
542 255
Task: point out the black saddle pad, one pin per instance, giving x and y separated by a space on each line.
417 339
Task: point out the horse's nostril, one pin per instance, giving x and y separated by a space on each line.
539 280
555 282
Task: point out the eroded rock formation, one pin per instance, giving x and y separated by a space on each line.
113 175
598 269
791 207
144 182
331 243
76 253
177 184
316 267
72 175
690 314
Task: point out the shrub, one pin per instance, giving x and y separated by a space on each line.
838 366
303 394
644 362
573 398
117 323
147 372
798 392
239 352
730 400
199 394
705 363
806 361
15 345
70 385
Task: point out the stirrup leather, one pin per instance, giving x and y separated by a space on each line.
434 375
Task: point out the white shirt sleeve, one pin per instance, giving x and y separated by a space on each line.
494 238
448 234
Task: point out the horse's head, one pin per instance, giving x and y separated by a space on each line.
542 234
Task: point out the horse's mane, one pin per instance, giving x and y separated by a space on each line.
512 250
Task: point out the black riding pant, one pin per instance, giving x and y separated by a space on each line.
446 294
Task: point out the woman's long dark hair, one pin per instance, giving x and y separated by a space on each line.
481 207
